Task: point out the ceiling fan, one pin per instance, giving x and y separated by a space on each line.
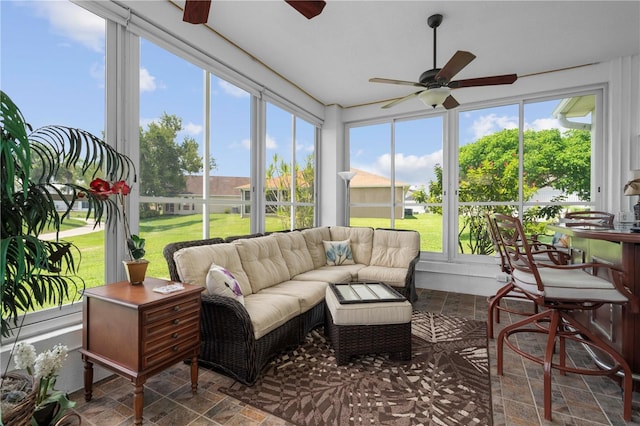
197 11
436 83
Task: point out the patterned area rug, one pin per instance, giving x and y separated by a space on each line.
446 382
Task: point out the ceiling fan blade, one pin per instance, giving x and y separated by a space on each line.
196 11
450 102
390 81
484 81
458 61
308 8
397 101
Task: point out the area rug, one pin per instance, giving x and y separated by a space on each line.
445 383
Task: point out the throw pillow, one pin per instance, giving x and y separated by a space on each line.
338 252
221 282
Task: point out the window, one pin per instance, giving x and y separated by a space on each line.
53 66
289 187
396 167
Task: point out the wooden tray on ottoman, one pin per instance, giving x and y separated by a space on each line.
364 330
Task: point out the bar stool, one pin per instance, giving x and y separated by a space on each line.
542 252
559 290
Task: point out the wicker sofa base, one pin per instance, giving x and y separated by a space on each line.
348 340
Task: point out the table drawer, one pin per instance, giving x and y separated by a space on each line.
170 337
176 308
170 325
171 350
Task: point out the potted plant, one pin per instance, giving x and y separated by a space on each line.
38 272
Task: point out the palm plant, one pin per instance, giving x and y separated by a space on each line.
38 272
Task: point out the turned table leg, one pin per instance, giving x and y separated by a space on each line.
194 374
138 403
88 380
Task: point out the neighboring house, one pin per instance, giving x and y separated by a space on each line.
368 188
224 195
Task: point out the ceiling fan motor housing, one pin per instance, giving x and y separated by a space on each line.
428 78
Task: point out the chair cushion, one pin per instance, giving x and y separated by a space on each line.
361 239
193 263
395 277
309 293
295 252
367 313
314 238
569 284
263 262
270 311
395 249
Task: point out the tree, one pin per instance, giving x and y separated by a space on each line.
165 163
278 187
489 171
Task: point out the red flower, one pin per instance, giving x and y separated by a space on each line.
121 187
100 188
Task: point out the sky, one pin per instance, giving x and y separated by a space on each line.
53 68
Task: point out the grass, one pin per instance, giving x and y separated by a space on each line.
163 230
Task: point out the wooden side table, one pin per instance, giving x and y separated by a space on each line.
137 332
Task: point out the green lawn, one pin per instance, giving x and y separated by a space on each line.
163 230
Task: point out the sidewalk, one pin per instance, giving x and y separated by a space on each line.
81 230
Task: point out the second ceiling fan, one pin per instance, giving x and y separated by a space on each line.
436 83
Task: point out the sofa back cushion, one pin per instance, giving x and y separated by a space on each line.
394 248
361 240
314 237
295 252
263 262
193 263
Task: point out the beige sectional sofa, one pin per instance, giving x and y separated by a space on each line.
282 278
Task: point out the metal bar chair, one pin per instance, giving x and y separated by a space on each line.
542 252
559 290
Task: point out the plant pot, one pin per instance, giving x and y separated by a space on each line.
136 270
45 414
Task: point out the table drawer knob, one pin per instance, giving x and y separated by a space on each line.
176 308
175 349
176 321
174 335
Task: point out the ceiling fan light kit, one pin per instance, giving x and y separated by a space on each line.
436 82
434 97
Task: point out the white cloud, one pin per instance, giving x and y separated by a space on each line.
144 122
410 169
232 90
246 143
543 124
488 124
192 129
271 142
147 81
71 21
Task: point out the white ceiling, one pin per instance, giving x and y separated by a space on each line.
332 56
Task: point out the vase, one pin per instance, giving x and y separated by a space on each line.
136 270
45 414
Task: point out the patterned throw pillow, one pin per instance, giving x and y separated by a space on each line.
338 252
221 282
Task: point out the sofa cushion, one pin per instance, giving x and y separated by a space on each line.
338 252
309 293
352 270
314 238
394 249
193 263
222 282
395 277
270 311
328 274
361 241
295 252
263 262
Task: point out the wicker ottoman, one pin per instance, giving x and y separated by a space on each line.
366 328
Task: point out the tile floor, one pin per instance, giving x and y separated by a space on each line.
517 396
